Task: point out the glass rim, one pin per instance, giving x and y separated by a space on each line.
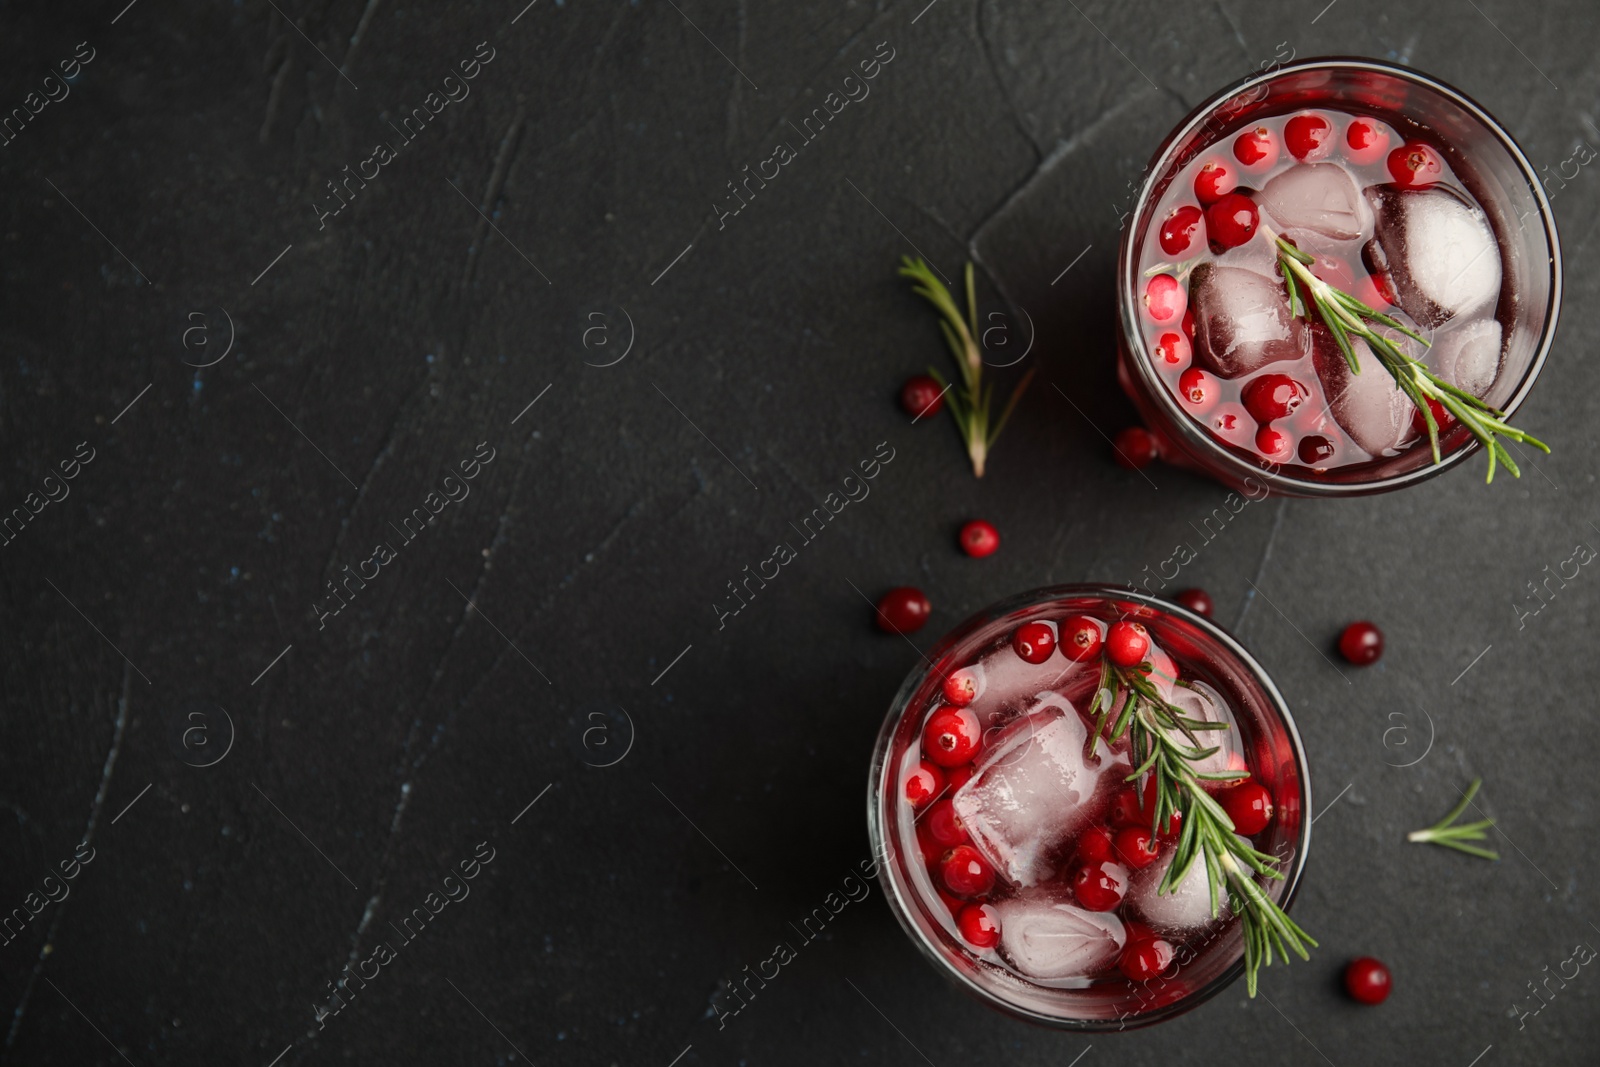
1127 285
881 768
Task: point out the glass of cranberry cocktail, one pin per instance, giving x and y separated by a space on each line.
1058 792
1339 277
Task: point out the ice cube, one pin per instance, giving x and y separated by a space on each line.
1198 700
1439 251
1033 791
1009 683
1181 910
1369 406
1047 938
1320 197
1468 357
1241 320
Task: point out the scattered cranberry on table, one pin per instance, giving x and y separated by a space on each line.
1034 641
965 873
1361 643
1127 644
923 784
952 736
979 925
1249 805
1196 600
903 610
1367 980
1136 447
979 539
921 396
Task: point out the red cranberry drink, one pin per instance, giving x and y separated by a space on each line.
1343 274
1091 809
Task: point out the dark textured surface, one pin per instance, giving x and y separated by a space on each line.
411 728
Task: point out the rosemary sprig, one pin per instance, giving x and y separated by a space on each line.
970 406
1346 317
1442 833
1165 743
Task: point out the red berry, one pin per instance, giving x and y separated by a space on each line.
979 539
1233 424
979 925
1231 221
1080 638
1308 137
1365 141
1414 164
1361 643
1173 827
1269 397
961 687
1197 388
921 396
965 873
923 784
1275 444
1197 601
956 777
1136 847
1256 150
1100 886
1188 324
1145 958
1367 980
1315 449
1095 846
1215 179
1177 232
1441 418
952 736
1164 298
1249 805
1174 349
1126 809
952 904
943 827
1127 644
903 610
1034 641
1135 447
930 849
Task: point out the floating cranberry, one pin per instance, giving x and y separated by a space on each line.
956 777
1233 424
1215 179
965 873
1249 805
1127 644
961 687
1315 449
1146 802
952 736
1308 137
1126 810
1231 221
1367 980
979 925
1145 958
921 396
979 539
1415 164
1135 447
943 827
1100 886
1034 641
923 784
1095 846
1197 601
1080 638
1165 298
1136 847
953 904
1361 643
1177 231
903 610
930 849
1174 349
1172 828
1275 444
1256 149
1365 140
1198 389
1441 418
1188 324
1269 397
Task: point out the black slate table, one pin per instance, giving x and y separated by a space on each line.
259 743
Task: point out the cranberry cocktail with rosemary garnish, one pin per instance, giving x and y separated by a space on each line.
1342 276
1091 806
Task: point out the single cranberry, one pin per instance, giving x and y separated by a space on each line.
1164 298
979 925
1095 846
1174 349
931 850
1275 444
921 396
1197 601
1256 149
1177 232
1136 847
1215 179
1080 638
1172 828
1135 447
1414 164
1268 397
1383 287
1145 958
1127 644
1034 641
1146 808
1368 980
952 736
1365 140
1100 886
1126 810
1249 805
923 784
979 539
1441 418
956 777
1361 643
965 873
1231 221
1197 388
943 827
1233 424
903 610
961 687
1308 137
953 904
1188 324
1315 449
